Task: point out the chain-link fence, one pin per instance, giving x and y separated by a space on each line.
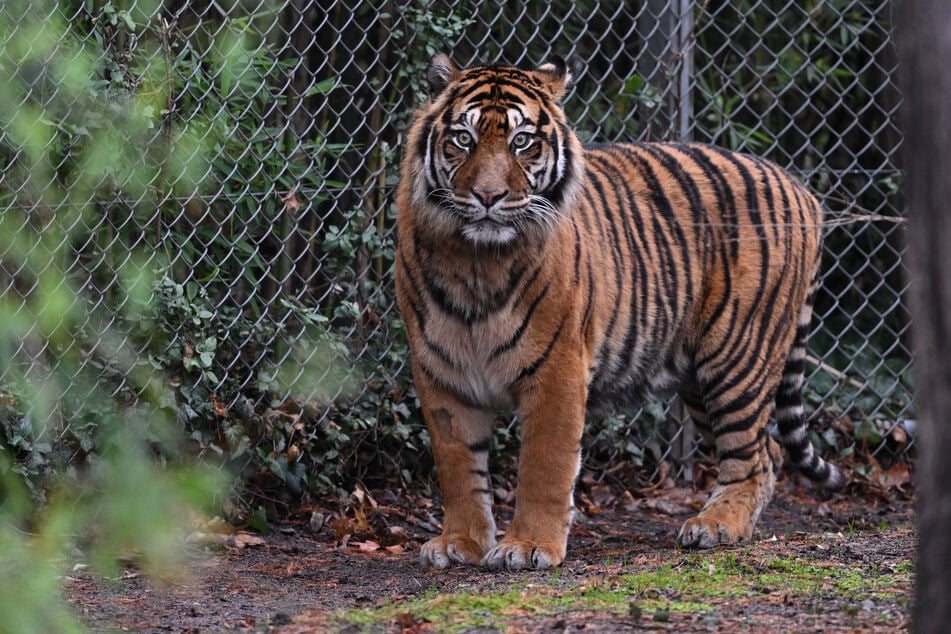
213 182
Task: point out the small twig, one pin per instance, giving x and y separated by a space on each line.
834 373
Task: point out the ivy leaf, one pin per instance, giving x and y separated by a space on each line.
258 521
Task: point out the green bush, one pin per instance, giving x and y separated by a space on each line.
197 212
84 427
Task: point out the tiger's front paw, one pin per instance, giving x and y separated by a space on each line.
441 551
709 530
517 554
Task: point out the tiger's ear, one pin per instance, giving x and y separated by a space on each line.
554 76
440 73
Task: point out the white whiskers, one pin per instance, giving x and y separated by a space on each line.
543 211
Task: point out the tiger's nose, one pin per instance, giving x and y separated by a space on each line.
488 197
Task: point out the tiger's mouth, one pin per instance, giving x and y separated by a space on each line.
493 218
490 230
536 217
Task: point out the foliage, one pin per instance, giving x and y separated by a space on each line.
200 272
82 425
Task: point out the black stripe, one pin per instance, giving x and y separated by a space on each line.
483 305
752 208
754 472
426 131
671 233
528 284
433 163
517 335
635 235
492 85
726 204
795 366
439 351
408 276
606 163
556 191
608 236
788 396
433 347
574 225
745 347
481 446
724 304
533 367
734 405
742 425
588 302
461 397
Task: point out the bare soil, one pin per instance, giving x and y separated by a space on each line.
297 579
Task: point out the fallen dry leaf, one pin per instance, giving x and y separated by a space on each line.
395 535
897 476
243 539
363 496
341 527
206 538
291 202
663 472
899 435
220 408
628 502
667 507
675 501
292 453
369 546
601 495
409 624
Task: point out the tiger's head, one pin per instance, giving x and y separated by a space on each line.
490 157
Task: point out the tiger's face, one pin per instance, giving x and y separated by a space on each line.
498 162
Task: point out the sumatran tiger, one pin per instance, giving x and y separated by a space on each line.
540 276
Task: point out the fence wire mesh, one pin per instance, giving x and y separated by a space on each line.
233 164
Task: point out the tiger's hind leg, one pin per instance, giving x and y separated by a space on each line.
735 410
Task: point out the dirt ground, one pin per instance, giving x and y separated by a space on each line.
298 579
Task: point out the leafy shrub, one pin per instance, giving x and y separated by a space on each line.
82 424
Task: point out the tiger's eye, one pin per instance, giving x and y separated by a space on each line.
463 139
521 141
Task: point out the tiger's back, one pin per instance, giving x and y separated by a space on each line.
537 275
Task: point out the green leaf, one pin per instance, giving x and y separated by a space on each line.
129 23
322 87
258 521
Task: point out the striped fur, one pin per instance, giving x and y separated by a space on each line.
540 276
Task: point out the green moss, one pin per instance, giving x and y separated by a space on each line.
696 583
905 567
458 611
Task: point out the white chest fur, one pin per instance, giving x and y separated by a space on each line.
472 363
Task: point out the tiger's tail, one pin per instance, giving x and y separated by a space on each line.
790 418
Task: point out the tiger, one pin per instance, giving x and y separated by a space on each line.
541 277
